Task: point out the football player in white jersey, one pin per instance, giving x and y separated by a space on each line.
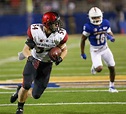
41 38
97 31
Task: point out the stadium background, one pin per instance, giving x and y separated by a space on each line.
16 15
72 88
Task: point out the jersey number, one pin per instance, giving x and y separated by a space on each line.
35 26
100 38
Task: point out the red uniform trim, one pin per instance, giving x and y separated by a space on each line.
65 39
29 33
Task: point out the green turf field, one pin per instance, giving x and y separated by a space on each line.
65 100
73 65
69 101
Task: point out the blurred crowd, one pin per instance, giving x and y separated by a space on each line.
114 10
61 6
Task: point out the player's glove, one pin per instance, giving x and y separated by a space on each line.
34 61
84 56
111 38
58 60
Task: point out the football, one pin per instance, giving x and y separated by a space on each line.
54 53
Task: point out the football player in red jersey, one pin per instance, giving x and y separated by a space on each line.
41 38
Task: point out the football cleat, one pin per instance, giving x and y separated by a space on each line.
15 95
19 111
113 90
93 70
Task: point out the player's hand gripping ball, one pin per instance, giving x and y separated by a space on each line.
55 53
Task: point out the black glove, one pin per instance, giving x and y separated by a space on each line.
58 60
34 61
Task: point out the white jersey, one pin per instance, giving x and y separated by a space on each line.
44 43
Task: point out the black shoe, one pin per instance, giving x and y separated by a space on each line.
15 95
19 111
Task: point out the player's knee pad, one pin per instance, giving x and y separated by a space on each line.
36 96
36 93
27 86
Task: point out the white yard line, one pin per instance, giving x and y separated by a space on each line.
69 91
74 103
8 60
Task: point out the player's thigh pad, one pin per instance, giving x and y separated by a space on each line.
42 79
28 74
96 59
108 58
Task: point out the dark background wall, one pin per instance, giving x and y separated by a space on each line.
17 24
17 15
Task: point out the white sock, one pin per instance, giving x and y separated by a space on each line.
111 84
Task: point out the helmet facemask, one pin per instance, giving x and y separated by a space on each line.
96 20
54 26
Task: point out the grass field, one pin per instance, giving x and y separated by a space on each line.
73 65
69 101
65 100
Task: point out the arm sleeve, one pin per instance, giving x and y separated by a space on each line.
30 41
29 33
64 39
108 26
86 31
109 30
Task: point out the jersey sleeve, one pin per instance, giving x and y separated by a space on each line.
63 36
29 40
64 39
107 22
86 30
29 33
108 25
